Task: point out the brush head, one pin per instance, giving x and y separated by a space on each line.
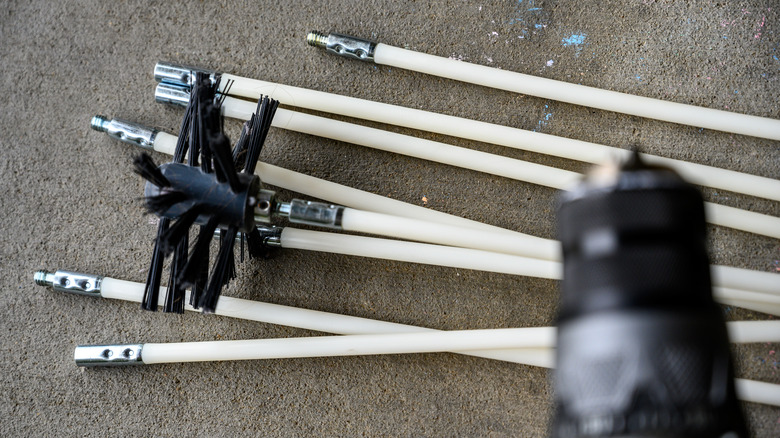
216 188
197 189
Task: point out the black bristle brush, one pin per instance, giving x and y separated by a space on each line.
208 191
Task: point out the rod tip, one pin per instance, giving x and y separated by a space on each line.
43 278
317 39
99 123
108 355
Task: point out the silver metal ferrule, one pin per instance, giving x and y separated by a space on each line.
172 94
314 213
265 205
182 75
70 282
343 45
128 132
272 236
108 355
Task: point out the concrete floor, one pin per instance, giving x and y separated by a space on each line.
70 201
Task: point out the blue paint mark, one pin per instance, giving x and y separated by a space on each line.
544 120
574 40
529 17
736 91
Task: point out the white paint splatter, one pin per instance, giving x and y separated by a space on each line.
550 63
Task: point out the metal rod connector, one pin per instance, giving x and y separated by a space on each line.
172 94
182 75
70 282
343 45
108 355
128 132
314 213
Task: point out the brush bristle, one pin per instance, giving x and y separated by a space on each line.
266 109
154 277
179 230
143 165
161 203
174 298
192 273
223 272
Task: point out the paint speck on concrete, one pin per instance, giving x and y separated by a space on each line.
574 40
550 63
544 120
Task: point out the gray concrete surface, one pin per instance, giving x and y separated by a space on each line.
69 200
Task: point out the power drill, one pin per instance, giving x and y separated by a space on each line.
642 346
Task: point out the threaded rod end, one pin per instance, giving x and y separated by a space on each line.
43 278
317 39
99 123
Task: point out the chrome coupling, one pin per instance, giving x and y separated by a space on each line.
128 132
313 213
70 282
108 355
265 205
272 236
172 94
182 75
343 45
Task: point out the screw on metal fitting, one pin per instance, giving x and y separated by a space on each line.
43 278
70 282
108 355
128 132
317 39
172 94
343 45
271 236
182 75
315 213
99 123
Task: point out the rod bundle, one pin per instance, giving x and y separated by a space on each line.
507 136
717 214
479 246
530 346
218 189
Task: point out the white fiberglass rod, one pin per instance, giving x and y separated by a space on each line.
423 253
557 90
475 130
727 280
723 276
326 322
351 345
112 288
739 331
425 231
466 158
